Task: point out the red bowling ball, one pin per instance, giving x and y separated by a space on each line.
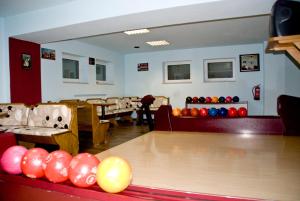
195 100
208 99
203 112
242 111
228 99
82 170
32 162
186 112
232 112
56 166
11 159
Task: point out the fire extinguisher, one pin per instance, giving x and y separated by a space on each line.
256 92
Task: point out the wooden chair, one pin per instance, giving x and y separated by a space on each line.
88 120
288 108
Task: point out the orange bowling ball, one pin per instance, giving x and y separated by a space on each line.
194 112
176 112
114 174
214 99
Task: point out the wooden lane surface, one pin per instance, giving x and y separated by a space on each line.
247 166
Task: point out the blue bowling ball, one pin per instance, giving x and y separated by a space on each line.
223 112
213 112
235 99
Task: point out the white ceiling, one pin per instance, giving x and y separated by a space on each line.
233 31
203 34
15 7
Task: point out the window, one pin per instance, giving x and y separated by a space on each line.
70 69
218 70
100 72
177 72
104 72
74 68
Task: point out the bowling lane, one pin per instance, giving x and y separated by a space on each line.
253 166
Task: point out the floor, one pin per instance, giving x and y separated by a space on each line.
118 135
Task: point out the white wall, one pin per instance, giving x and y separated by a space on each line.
292 78
53 87
4 63
150 82
274 77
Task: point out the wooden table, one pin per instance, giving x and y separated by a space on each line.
245 166
103 105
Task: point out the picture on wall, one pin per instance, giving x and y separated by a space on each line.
91 61
48 54
249 62
143 67
26 61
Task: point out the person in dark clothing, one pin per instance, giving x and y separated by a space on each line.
145 108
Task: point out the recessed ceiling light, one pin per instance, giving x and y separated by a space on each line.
158 43
137 31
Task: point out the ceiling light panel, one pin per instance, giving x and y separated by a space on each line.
137 31
158 43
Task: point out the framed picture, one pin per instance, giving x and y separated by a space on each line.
48 54
91 61
249 62
26 61
143 67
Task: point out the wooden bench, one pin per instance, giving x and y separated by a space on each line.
46 123
88 120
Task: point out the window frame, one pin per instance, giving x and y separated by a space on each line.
103 64
206 64
165 69
75 58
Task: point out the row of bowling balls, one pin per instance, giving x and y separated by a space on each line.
83 170
211 112
213 99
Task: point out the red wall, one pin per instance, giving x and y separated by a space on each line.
25 84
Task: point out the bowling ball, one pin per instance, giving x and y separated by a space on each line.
203 112
82 170
221 99
114 174
32 162
208 99
195 99
232 112
228 99
214 99
201 99
186 112
242 112
213 112
223 112
11 159
188 99
235 99
176 112
56 166
194 112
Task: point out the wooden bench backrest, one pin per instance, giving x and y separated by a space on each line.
17 114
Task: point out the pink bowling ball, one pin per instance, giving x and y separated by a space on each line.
11 159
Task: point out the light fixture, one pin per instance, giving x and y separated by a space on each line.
137 31
158 43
